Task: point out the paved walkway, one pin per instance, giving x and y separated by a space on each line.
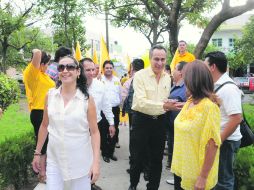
114 176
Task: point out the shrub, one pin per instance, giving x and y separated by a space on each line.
15 159
9 91
244 171
244 164
16 147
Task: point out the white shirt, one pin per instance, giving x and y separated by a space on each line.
98 92
69 146
231 103
113 89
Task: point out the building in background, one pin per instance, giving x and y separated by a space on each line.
231 29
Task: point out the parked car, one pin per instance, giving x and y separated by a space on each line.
245 83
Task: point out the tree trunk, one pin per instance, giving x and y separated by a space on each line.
226 13
3 67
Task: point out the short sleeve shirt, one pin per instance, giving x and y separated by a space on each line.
231 104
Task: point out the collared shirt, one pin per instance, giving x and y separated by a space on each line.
177 92
69 146
52 71
187 57
37 85
231 103
113 89
98 92
149 95
194 127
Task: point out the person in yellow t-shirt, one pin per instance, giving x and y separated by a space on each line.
181 55
37 84
197 133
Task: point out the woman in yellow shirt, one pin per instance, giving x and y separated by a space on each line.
197 133
37 84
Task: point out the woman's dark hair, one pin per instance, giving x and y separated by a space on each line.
81 80
45 58
61 52
198 80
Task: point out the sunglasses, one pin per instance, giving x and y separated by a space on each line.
68 67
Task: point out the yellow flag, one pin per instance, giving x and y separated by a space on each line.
173 62
95 58
146 59
103 53
78 55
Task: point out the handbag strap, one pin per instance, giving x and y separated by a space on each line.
230 82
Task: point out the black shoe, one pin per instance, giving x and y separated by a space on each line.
95 187
106 159
132 188
113 157
146 176
128 171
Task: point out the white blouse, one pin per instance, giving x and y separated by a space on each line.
69 146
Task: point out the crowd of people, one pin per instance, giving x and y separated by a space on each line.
76 109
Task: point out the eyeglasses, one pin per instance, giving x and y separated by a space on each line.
68 67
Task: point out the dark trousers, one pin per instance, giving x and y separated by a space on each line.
177 181
36 117
116 112
107 143
170 143
147 132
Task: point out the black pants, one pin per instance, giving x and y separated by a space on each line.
36 119
107 143
177 181
116 112
147 132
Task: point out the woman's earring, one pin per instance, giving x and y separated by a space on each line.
78 76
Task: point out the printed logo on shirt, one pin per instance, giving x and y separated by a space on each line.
116 83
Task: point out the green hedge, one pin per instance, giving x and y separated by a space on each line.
16 147
244 164
15 159
9 91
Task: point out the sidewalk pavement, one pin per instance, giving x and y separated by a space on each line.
114 176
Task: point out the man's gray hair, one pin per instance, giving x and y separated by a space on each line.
159 47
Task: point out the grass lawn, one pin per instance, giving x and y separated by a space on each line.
14 122
249 114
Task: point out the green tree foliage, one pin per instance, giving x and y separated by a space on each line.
242 54
141 15
66 21
10 23
23 42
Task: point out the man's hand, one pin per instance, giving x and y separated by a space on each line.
112 130
171 105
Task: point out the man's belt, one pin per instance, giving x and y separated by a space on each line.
154 117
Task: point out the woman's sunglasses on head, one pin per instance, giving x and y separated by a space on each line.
68 67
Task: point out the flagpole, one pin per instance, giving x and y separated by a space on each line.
106 20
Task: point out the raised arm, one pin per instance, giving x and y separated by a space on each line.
36 60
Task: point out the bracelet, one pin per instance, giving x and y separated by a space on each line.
36 154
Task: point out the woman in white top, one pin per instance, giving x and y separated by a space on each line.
74 140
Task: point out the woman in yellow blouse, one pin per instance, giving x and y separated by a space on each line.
37 84
197 133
